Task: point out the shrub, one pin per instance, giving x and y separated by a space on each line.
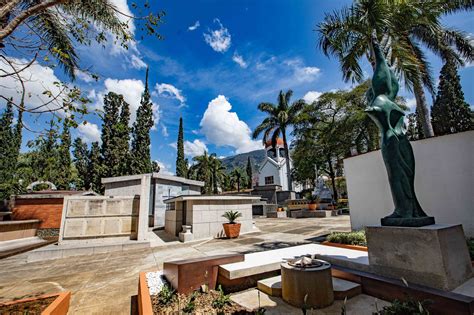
222 300
190 306
166 295
349 238
232 215
410 306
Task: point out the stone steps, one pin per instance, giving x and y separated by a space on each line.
18 246
342 288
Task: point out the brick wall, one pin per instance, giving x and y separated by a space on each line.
48 210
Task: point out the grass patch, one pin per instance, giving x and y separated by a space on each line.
349 238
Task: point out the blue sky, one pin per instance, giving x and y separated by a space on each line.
217 62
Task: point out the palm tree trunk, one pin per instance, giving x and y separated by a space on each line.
422 109
287 157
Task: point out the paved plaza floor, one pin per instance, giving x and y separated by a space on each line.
105 283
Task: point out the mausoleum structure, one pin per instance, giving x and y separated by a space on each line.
273 170
202 215
159 188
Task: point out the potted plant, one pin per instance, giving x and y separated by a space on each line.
232 229
313 202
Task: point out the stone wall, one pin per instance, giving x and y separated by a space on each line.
47 210
99 217
444 177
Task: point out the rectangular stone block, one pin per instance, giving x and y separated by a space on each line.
435 255
115 207
93 227
76 208
95 207
111 226
73 228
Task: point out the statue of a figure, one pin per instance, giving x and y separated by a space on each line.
396 149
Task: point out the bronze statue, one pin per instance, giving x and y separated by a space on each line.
396 149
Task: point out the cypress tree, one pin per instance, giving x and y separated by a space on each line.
140 152
94 168
181 163
450 112
249 172
123 139
45 156
64 158
81 161
7 152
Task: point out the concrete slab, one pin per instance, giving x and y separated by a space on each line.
18 243
342 288
467 288
70 250
261 262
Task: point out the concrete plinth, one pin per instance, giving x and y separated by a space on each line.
433 255
314 282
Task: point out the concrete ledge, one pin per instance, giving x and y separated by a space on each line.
63 251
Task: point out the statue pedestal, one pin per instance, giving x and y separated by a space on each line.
434 255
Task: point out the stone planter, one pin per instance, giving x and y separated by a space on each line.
232 230
59 306
355 247
144 298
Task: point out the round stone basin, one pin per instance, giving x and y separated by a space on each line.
311 278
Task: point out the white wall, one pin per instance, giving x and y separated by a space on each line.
444 182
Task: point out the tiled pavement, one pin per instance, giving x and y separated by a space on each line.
105 283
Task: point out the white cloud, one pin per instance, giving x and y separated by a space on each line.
192 149
37 79
219 39
224 128
311 96
411 103
137 62
123 7
194 26
164 168
168 90
302 72
89 132
239 60
132 90
84 76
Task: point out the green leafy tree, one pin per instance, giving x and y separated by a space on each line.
280 118
181 163
238 178
402 28
95 168
140 151
201 170
248 170
64 158
81 162
115 136
217 173
44 158
450 112
8 153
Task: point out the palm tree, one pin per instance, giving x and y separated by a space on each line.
402 27
201 170
238 177
280 117
217 173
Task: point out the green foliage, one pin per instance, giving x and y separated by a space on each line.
95 168
238 178
10 141
470 246
81 161
450 112
222 300
409 306
232 216
279 118
312 198
64 159
190 305
115 136
140 158
248 170
402 28
166 295
181 163
349 238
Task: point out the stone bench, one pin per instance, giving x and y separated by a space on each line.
261 265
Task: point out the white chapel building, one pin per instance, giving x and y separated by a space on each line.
273 169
